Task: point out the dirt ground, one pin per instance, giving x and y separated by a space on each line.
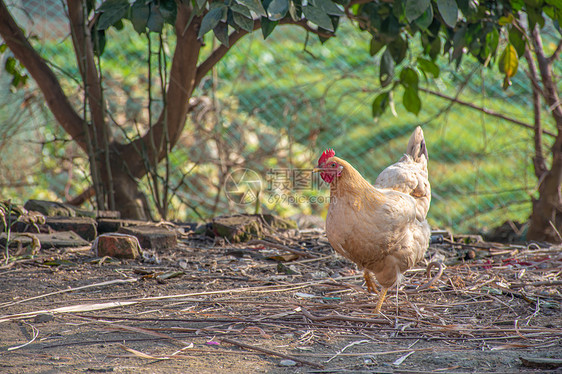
211 307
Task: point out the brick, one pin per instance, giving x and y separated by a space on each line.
152 237
54 240
83 226
106 225
118 246
54 208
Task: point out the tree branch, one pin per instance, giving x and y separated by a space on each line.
556 53
84 51
181 85
185 75
221 51
538 160
218 54
48 83
550 91
484 110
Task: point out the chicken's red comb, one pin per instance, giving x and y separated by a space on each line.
326 155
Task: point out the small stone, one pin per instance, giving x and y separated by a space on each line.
116 245
287 363
319 275
43 317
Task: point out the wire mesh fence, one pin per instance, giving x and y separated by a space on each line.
264 115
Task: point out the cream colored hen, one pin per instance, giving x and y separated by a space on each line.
381 228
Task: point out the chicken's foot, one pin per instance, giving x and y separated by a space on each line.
382 295
369 282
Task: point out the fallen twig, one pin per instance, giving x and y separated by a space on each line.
271 352
281 246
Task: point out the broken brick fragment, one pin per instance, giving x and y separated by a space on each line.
117 245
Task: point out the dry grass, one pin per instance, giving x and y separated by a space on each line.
232 304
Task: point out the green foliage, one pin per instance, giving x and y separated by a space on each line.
14 67
412 40
450 28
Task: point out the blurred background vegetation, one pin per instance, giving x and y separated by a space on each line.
279 104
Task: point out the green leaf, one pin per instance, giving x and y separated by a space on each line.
449 11
389 27
508 62
295 15
113 5
428 67
376 46
459 42
267 26
318 17
398 49
386 69
434 48
535 17
212 19
411 100
425 19
169 10
415 8
517 5
398 9
555 3
200 3
491 45
221 32
468 7
111 12
277 9
329 7
98 40
241 9
502 21
409 78
10 65
244 23
380 104
254 5
517 40
155 21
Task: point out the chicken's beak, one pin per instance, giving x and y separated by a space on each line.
316 170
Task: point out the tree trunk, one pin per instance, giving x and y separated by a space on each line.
546 218
116 168
130 200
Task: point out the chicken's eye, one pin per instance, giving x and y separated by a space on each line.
333 164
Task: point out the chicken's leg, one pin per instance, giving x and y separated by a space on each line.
369 282
382 294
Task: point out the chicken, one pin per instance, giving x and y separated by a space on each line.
381 228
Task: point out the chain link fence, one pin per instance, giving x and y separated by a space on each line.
265 114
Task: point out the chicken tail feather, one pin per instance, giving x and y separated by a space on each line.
416 145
